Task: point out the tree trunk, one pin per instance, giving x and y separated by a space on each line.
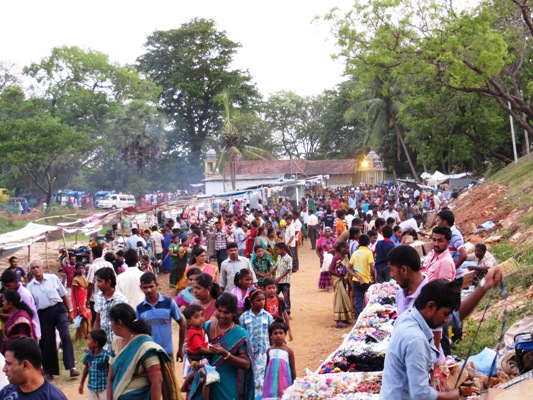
232 172
404 147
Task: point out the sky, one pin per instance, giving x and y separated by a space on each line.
282 48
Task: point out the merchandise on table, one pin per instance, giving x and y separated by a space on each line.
363 349
343 376
350 386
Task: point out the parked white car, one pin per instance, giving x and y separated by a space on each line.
114 201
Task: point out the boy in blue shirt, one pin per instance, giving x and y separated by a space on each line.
96 363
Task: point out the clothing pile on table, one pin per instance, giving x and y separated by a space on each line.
352 372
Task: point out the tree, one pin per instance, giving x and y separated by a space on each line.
233 149
192 65
84 87
42 147
137 132
341 138
382 109
483 50
454 130
296 122
9 75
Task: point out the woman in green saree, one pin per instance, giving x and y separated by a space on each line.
230 345
139 369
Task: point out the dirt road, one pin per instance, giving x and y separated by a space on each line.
315 336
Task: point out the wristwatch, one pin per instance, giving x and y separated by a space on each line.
70 310
484 285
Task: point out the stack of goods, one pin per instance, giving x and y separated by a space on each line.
363 349
351 386
352 371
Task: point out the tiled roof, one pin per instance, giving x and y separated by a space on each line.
297 166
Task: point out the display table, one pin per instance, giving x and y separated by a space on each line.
352 371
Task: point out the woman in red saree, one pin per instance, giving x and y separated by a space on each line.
79 298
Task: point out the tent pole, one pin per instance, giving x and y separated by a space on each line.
46 249
65 243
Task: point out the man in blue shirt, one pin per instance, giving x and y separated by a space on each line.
159 311
412 354
23 369
382 250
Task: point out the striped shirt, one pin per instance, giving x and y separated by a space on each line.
455 244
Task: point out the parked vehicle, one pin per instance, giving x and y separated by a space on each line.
82 254
4 194
114 201
102 194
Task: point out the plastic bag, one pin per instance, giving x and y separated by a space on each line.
77 321
211 374
483 361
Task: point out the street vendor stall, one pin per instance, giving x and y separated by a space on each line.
352 371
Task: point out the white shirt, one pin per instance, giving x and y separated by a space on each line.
158 239
312 220
290 232
392 214
409 224
3 377
131 243
305 217
229 268
349 218
239 238
95 266
297 225
129 284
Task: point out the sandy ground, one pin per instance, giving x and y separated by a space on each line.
315 336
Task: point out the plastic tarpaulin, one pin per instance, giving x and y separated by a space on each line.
11 242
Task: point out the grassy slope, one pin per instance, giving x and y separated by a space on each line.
519 180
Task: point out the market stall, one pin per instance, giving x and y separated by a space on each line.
353 370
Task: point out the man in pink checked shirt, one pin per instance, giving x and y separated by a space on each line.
440 263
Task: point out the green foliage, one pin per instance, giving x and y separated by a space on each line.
299 123
137 132
84 88
414 49
42 147
232 147
192 65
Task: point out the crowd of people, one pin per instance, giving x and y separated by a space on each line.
232 274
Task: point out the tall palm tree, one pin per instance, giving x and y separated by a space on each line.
232 148
382 111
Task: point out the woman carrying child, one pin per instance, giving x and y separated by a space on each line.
281 369
185 297
256 321
230 345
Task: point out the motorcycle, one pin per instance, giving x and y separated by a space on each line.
82 254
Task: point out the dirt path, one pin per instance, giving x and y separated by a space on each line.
313 328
